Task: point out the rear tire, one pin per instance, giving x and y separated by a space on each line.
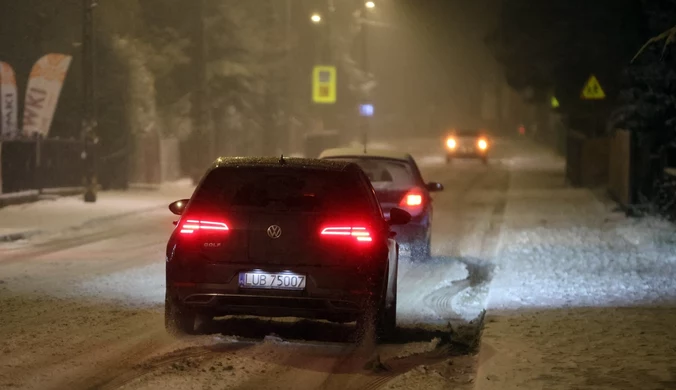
386 322
378 318
178 320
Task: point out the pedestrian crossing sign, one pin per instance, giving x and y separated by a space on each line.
324 84
592 90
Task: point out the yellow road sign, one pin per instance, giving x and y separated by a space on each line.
555 102
592 90
324 84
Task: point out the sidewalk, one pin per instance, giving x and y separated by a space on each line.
22 221
582 297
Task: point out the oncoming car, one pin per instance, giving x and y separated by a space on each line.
282 237
398 184
467 144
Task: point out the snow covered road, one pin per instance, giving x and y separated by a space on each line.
82 307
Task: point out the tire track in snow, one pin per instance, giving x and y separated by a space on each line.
122 376
479 271
441 300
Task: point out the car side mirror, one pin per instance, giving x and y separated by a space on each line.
399 217
434 187
179 206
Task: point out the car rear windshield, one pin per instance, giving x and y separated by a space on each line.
386 173
283 189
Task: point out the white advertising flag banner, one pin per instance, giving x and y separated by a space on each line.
9 101
42 94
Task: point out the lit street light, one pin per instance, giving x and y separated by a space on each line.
316 18
370 4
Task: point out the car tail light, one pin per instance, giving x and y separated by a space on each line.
357 233
413 201
413 198
192 226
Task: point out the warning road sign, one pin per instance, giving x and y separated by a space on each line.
592 90
324 84
555 102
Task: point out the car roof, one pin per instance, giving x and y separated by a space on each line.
290 162
361 153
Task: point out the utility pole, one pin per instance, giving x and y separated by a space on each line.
365 66
288 81
201 103
89 120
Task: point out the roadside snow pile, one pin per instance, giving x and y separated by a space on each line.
71 213
622 263
649 234
425 290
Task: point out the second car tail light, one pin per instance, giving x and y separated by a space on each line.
413 198
413 201
192 226
357 233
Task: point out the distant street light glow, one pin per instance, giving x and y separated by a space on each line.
316 18
370 4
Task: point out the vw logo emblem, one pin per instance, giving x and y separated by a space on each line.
274 232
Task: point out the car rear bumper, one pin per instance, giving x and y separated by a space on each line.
332 294
206 299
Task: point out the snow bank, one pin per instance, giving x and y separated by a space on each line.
562 247
68 212
563 267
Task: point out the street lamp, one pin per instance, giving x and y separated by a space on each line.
370 4
316 18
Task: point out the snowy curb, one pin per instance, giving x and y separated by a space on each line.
144 186
11 237
15 198
30 196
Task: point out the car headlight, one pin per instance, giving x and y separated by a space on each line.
451 144
483 144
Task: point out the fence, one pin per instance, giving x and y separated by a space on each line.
43 163
620 168
586 160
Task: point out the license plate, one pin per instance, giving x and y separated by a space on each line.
281 281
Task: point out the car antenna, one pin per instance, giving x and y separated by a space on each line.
281 159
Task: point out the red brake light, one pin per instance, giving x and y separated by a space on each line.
413 198
194 225
360 234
